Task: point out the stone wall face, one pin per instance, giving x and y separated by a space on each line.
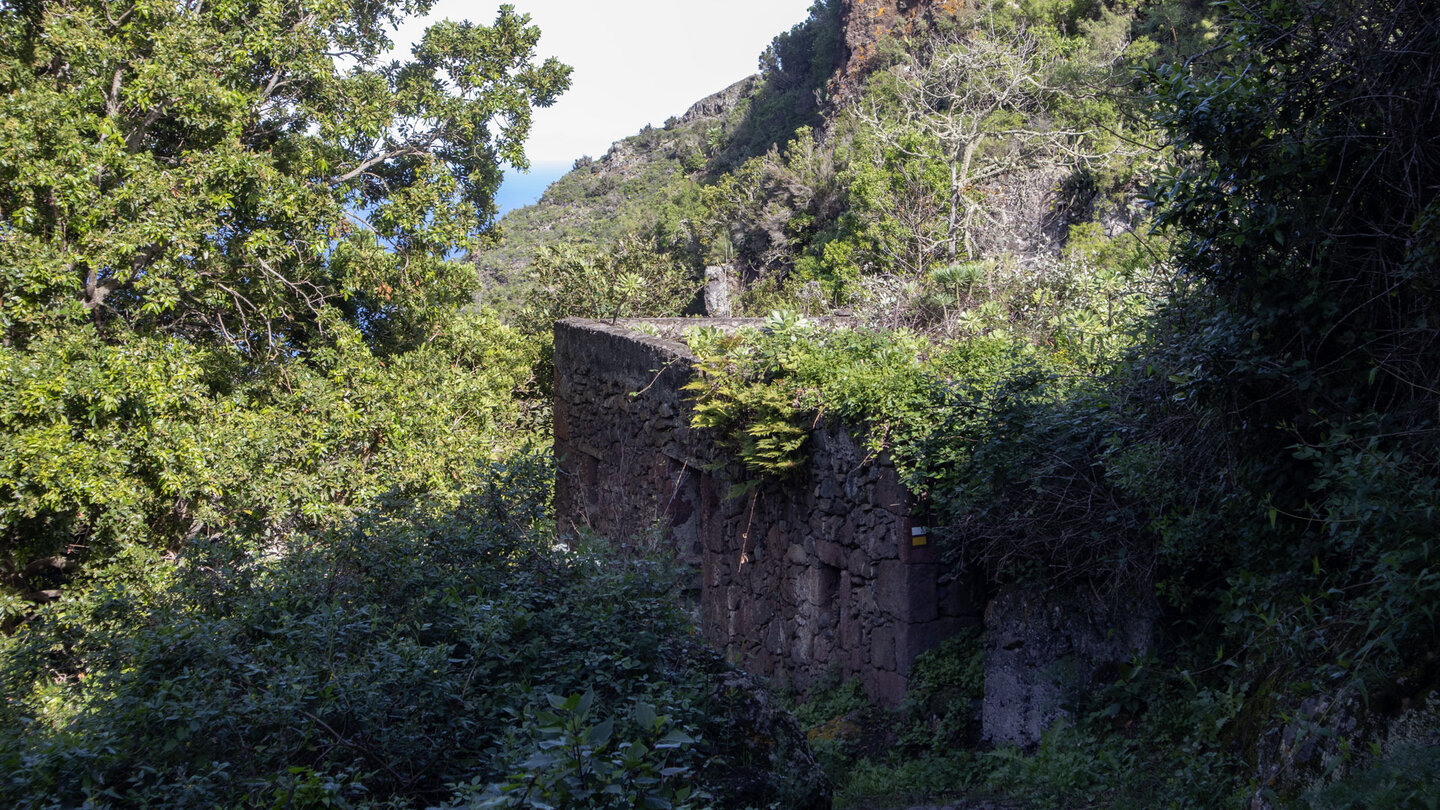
629 464
1047 647
816 576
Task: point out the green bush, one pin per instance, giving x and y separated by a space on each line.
902 781
156 441
629 278
400 660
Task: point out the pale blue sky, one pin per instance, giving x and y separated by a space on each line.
636 62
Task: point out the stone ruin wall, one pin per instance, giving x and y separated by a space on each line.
830 583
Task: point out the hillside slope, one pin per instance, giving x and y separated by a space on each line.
796 179
1224 411
629 189
649 183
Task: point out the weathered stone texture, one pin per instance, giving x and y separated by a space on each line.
718 290
868 22
795 581
628 459
718 105
1044 648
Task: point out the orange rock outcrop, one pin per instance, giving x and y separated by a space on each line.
867 22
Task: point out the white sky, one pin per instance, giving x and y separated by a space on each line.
636 62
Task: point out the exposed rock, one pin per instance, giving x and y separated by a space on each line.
1316 739
716 296
1046 647
867 22
720 104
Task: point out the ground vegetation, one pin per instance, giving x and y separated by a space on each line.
1228 405
273 494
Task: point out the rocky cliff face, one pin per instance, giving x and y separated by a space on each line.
867 23
721 104
604 198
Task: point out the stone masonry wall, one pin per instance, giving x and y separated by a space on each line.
818 577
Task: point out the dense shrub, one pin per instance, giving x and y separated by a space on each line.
154 442
416 656
1260 449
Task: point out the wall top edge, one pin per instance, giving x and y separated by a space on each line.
670 340
670 335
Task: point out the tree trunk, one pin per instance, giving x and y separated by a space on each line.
954 212
959 178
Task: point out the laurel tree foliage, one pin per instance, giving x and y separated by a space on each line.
420 655
225 233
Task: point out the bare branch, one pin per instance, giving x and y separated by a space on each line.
134 137
403 151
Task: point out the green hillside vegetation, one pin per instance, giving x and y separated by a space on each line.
1145 303
822 208
273 499
1194 360
1230 406
653 185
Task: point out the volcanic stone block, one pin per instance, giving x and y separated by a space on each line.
906 592
887 687
830 554
882 647
1045 647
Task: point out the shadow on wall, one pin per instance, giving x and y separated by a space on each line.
819 576
827 575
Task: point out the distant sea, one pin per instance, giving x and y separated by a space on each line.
520 189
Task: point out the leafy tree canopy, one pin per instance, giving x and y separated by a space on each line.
224 241
225 172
